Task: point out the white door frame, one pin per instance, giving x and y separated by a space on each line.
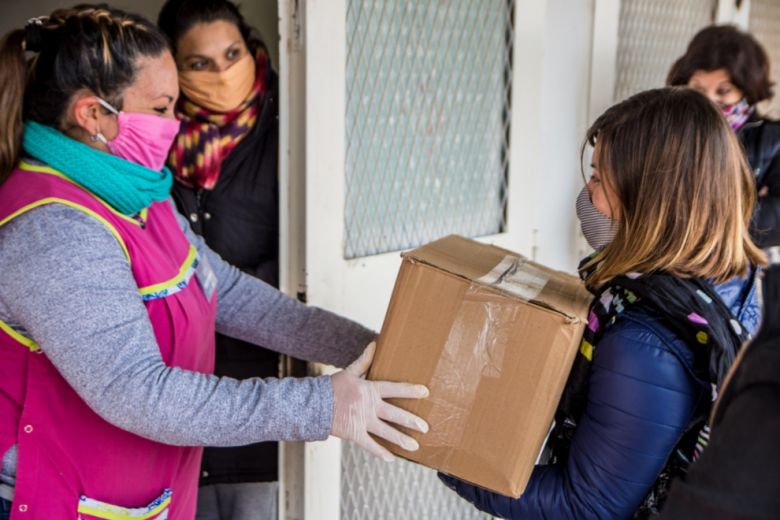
292 214
313 97
351 286
312 143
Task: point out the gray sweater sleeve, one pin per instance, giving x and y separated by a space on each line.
253 311
67 284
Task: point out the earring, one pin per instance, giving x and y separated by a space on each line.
98 137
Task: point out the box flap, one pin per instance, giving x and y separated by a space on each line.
506 271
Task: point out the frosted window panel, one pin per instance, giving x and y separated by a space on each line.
652 34
428 95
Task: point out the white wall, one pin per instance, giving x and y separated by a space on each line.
565 100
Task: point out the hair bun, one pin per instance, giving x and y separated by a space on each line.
33 34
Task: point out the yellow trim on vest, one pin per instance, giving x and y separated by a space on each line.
116 512
37 168
51 171
24 340
57 200
183 272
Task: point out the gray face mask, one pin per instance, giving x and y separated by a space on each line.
599 230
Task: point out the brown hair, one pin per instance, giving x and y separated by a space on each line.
684 191
179 16
92 47
726 47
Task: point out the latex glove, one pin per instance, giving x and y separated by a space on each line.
359 408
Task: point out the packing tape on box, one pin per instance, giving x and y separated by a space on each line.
470 355
516 276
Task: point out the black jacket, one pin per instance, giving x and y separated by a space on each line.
239 219
738 474
761 139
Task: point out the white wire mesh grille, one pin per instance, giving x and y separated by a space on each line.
651 35
375 490
765 26
427 121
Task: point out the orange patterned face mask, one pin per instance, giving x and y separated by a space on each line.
219 91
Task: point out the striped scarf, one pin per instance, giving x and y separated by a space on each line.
206 138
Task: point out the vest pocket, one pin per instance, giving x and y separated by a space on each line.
91 509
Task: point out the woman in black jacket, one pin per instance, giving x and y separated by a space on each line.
225 163
732 69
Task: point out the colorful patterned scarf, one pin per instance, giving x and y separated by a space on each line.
696 314
207 138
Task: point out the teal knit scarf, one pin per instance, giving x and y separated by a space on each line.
126 186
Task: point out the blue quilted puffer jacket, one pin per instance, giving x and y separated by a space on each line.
642 397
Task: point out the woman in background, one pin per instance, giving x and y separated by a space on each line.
225 161
732 69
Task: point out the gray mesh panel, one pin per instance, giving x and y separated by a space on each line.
375 490
428 109
652 34
427 121
765 26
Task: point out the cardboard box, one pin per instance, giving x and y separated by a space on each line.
493 336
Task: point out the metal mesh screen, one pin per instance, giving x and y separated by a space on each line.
427 121
397 490
765 26
651 35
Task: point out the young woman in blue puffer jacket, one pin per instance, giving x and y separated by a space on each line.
674 275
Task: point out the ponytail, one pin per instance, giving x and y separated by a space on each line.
13 80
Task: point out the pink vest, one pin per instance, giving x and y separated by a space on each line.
72 463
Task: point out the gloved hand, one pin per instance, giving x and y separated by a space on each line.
359 408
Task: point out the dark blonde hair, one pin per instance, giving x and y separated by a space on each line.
92 47
684 191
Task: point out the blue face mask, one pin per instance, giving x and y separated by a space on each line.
599 230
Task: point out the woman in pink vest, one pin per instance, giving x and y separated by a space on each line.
109 303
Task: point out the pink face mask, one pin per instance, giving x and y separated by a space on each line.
143 139
737 114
